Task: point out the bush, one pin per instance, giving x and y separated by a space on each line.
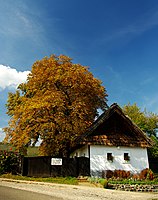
107 174
146 174
104 183
9 162
116 174
122 174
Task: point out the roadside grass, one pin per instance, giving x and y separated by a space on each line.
59 180
74 181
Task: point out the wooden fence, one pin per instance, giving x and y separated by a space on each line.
42 166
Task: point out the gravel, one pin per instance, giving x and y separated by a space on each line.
79 192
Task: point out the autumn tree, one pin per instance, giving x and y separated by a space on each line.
57 103
146 121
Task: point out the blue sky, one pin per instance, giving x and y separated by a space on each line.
118 40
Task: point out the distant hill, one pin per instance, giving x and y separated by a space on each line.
6 147
31 151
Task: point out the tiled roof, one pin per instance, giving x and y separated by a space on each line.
114 128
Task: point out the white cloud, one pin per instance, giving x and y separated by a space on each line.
2 135
10 77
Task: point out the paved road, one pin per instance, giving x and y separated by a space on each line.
7 193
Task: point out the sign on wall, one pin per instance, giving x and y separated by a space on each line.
56 161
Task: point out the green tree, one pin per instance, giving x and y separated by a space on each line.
153 151
57 103
147 122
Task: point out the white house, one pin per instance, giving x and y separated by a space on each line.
113 142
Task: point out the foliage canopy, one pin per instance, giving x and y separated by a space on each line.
146 121
57 103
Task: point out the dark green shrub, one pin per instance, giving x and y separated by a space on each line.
9 162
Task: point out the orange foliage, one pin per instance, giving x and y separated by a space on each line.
57 103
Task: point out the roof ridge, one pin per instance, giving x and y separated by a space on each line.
134 129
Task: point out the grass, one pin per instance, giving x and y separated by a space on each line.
74 181
59 180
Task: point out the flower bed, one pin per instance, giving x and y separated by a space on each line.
134 188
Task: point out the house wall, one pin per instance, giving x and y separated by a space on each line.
99 163
82 152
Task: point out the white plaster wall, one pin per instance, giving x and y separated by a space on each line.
82 152
98 159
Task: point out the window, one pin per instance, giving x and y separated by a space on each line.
110 157
126 157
